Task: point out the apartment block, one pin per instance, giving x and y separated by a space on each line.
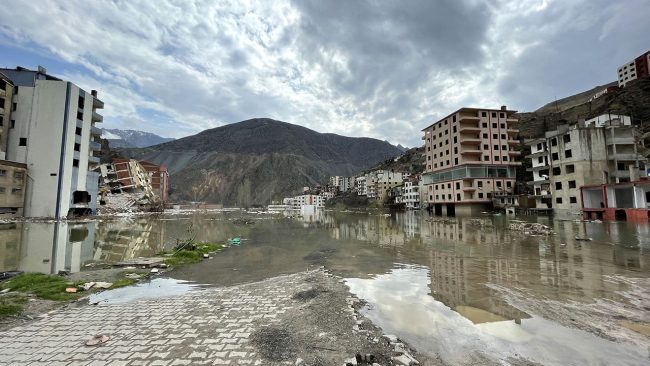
411 192
469 155
385 181
602 150
634 69
308 200
360 183
52 130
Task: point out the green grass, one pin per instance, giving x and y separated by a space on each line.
122 283
206 248
184 257
11 304
43 286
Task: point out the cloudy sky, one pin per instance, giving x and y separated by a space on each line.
383 69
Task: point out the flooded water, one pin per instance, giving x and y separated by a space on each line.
450 289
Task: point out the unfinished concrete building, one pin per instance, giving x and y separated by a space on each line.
603 150
126 183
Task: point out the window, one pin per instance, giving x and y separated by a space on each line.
484 114
484 125
567 154
485 135
446 132
539 146
457 185
77 131
508 184
19 175
12 124
555 156
448 162
540 159
455 150
504 147
558 185
22 141
446 142
456 161
486 158
14 106
454 129
495 136
428 148
2 121
457 196
480 184
566 138
503 125
554 142
496 147
16 190
3 173
77 147
499 183
435 165
75 162
620 166
454 118
486 147
573 200
480 195
494 125
570 169
80 102
502 115
558 200
446 122
435 156
431 197
436 187
496 158
489 195
2 189
572 184
449 195
447 152
503 136
505 158
557 171
494 115
449 187
80 115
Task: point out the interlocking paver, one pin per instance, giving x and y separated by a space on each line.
212 327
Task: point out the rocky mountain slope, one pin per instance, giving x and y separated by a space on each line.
277 158
633 100
132 138
411 161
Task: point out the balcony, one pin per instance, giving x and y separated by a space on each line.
621 141
470 141
3 93
93 159
469 189
538 182
621 174
469 119
95 145
473 130
512 131
514 142
472 152
630 156
97 117
512 121
538 168
96 131
97 103
514 153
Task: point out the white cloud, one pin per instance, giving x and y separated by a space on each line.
378 69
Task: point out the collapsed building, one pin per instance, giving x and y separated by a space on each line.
129 184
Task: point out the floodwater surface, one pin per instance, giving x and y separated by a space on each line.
463 291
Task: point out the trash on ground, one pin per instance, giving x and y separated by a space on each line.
134 276
104 285
235 241
583 239
71 289
97 340
88 285
8 274
531 228
147 262
155 270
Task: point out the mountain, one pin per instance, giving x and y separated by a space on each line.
276 158
411 161
131 138
403 148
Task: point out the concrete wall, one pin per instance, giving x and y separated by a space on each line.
12 194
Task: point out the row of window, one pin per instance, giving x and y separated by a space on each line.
479 195
13 190
479 184
572 184
19 175
485 158
483 114
556 156
571 200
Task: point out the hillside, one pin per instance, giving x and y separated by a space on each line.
277 158
132 138
633 100
573 100
410 161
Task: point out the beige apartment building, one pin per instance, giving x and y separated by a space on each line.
469 155
12 175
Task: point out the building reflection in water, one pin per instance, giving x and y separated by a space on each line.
62 246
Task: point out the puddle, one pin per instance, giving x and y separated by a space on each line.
401 303
155 288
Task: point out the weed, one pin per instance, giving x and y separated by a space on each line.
9 310
184 257
43 286
11 304
122 283
206 248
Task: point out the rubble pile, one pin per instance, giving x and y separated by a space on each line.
245 221
121 203
478 222
444 221
530 228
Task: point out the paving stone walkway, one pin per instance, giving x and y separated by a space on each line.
208 327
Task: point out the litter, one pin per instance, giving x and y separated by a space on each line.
87 286
155 270
531 228
71 289
103 284
583 239
134 276
206 256
235 241
147 262
97 340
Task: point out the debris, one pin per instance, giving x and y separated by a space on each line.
405 360
235 241
350 362
298 362
5 291
391 338
206 256
478 222
155 270
95 303
444 221
70 289
134 276
147 262
9 274
583 239
531 228
104 285
162 265
97 340
87 286
63 273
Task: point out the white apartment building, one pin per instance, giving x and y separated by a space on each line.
593 152
52 130
362 188
635 69
411 194
308 200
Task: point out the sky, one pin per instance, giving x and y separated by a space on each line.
381 69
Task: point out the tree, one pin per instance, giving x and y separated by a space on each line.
244 195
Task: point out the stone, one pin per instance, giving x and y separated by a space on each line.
390 337
403 360
350 362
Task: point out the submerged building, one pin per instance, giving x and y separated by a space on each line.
52 131
602 150
469 156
